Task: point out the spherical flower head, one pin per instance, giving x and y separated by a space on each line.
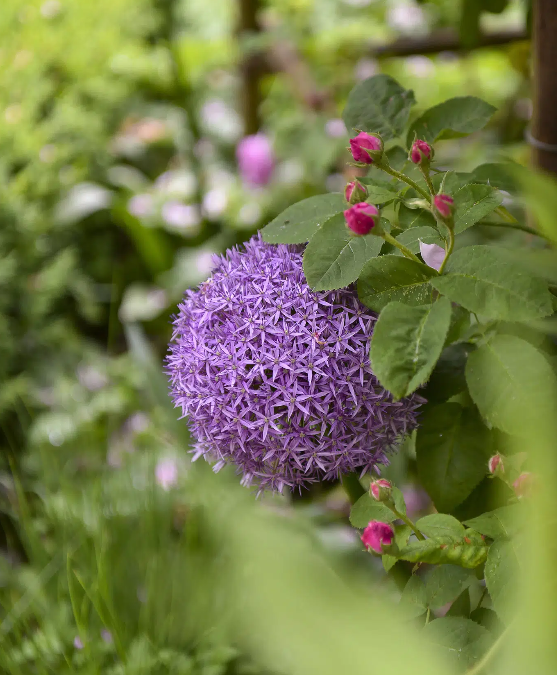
355 192
443 205
276 378
360 145
361 218
380 489
496 465
432 254
421 152
376 535
256 159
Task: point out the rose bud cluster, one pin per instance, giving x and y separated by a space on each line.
361 218
421 152
366 148
377 535
355 192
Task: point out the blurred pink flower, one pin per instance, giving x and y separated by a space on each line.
166 473
77 642
141 206
256 160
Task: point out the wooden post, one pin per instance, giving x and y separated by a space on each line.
251 66
544 123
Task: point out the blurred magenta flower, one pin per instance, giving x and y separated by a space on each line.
432 254
376 535
166 473
256 159
276 378
360 144
361 218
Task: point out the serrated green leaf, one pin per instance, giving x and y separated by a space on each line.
452 449
502 569
463 641
444 550
472 203
410 218
334 257
483 280
498 524
512 384
402 534
299 222
448 377
411 238
406 344
445 583
391 277
461 606
440 524
413 600
497 174
378 105
456 117
379 191
366 509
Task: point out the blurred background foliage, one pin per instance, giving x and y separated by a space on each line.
119 122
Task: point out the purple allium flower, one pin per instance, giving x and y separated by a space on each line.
276 378
256 160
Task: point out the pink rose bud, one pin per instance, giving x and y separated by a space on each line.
432 254
361 218
443 204
362 143
380 490
355 192
421 152
523 485
496 465
376 535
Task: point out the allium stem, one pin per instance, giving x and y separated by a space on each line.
405 251
408 522
387 168
352 486
448 250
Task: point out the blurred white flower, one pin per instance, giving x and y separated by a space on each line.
180 216
215 202
166 473
90 377
432 254
419 66
249 214
50 9
406 17
221 119
335 128
365 68
106 636
290 171
141 206
77 642
335 182
204 263
178 183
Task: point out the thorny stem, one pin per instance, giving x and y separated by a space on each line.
448 250
387 168
478 668
425 173
401 247
406 520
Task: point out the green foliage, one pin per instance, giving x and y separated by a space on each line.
473 203
502 569
445 583
379 105
452 449
461 640
406 344
334 257
444 550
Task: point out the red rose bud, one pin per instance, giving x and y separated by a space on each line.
376 535
355 192
421 152
443 204
523 485
496 465
361 218
366 148
380 490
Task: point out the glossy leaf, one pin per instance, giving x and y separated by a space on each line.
445 583
409 218
502 569
483 280
474 202
413 600
366 509
439 525
299 222
463 641
411 238
334 257
452 449
448 377
445 550
402 534
453 118
391 277
512 384
498 524
406 344
378 105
